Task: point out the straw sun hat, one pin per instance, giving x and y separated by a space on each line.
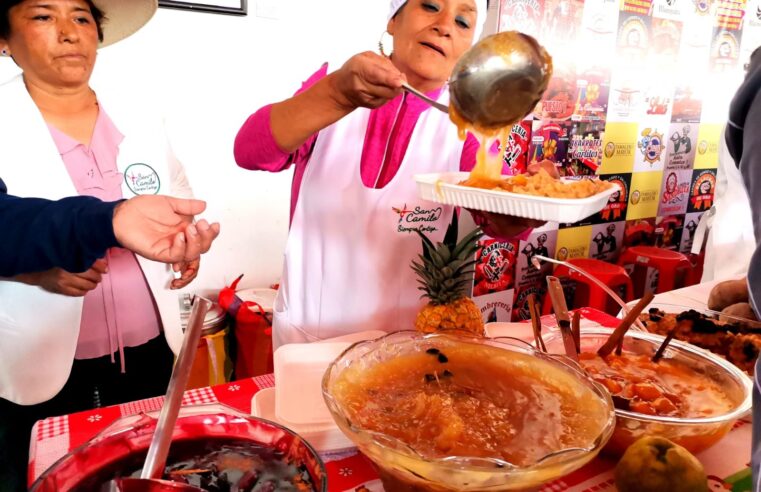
124 17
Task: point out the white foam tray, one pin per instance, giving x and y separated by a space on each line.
443 188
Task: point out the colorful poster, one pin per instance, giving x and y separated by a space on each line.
496 307
668 231
651 146
675 192
687 103
729 14
521 15
691 222
592 93
599 27
573 243
633 44
615 209
644 195
606 241
665 40
639 232
515 153
707 156
670 9
541 242
682 146
702 190
725 50
520 304
495 266
626 96
584 149
562 21
549 140
558 102
619 148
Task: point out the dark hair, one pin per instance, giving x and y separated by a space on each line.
7 5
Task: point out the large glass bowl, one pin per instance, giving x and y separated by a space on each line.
403 469
125 443
695 434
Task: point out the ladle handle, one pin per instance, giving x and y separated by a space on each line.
431 102
162 436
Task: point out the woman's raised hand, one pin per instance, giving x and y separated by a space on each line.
366 80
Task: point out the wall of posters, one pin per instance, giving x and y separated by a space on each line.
639 97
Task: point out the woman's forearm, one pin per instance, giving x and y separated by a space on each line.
295 120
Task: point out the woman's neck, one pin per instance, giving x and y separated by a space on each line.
61 99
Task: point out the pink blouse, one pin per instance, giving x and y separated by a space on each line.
120 312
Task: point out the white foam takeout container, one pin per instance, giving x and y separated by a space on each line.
443 188
296 400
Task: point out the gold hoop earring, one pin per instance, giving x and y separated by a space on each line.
380 43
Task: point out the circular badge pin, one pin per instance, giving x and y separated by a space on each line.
142 179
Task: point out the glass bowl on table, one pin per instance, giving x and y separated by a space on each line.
446 412
706 394
214 447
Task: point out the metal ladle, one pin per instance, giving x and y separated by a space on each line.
497 82
150 477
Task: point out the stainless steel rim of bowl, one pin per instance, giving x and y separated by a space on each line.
677 345
462 462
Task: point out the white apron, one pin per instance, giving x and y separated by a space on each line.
39 329
347 258
729 224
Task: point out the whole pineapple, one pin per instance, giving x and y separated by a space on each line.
444 272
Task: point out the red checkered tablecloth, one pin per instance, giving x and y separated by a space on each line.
726 463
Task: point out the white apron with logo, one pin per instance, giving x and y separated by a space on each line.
347 259
39 329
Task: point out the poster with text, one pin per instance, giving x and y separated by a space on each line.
691 221
522 15
496 307
702 190
682 146
644 195
607 240
615 209
651 145
675 192
521 305
668 231
495 266
541 242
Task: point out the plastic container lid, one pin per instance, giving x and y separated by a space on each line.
324 438
213 322
264 297
299 368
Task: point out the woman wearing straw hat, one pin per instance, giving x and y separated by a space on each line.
356 140
71 341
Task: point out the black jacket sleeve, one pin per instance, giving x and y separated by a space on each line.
38 234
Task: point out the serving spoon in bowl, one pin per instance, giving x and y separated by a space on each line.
150 478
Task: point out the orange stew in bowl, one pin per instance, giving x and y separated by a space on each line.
474 401
666 388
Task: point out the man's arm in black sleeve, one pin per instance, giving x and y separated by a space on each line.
38 234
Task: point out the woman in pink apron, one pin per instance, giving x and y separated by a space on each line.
357 140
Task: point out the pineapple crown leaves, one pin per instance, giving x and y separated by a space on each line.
444 268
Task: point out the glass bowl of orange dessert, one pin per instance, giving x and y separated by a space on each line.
690 396
445 412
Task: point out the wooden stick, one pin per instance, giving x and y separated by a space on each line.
539 318
659 353
576 330
618 334
536 324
